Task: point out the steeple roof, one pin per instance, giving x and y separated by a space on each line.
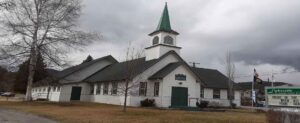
164 23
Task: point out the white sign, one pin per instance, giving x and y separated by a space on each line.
284 100
283 96
253 96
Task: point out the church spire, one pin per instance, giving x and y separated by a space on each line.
164 23
163 38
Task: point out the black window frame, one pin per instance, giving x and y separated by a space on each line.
98 89
201 92
155 40
180 77
114 88
168 40
105 88
216 93
232 95
143 89
156 89
92 89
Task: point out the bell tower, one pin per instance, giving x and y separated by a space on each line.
163 39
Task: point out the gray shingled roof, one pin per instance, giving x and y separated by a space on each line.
55 77
73 69
165 71
121 71
127 70
117 72
213 78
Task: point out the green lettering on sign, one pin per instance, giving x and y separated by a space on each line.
283 90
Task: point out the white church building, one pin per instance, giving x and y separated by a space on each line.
162 75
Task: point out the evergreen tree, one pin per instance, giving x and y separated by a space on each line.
22 75
2 72
88 59
7 79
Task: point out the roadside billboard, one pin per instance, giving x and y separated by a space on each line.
283 96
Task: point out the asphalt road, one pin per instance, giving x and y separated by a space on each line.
12 116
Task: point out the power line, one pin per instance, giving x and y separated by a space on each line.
194 63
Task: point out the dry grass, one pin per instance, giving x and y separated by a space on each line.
101 113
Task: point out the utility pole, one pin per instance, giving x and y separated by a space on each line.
273 79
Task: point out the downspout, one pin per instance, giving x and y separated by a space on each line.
161 97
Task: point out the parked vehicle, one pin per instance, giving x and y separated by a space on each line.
8 94
1 93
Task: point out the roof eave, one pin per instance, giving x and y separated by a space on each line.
167 31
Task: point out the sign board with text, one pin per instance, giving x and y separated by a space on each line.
283 96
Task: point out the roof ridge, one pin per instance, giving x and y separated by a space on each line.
80 66
205 68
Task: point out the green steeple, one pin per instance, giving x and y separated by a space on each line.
164 23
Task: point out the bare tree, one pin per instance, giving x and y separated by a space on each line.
131 81
48 27
230 72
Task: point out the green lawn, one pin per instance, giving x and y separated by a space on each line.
102 113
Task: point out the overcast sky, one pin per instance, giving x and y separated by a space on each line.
261 34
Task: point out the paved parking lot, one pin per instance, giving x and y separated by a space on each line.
12 116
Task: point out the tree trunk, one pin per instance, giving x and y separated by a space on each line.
125 96
48 92
230 92
230 98
32 67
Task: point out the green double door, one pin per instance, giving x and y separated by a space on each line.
179 97
76 93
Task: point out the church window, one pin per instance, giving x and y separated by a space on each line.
156 88
155 40
114 89
105 88
168 40
143 88
216 93
180 77
228 95
98 89
202 92
92 89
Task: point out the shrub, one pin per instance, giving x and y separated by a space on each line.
202 104
233 105
148 103
214 104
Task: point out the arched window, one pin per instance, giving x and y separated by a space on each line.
168 40
155 40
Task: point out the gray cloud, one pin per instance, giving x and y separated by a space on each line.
257 32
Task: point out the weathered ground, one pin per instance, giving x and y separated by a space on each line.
101 113
12 116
